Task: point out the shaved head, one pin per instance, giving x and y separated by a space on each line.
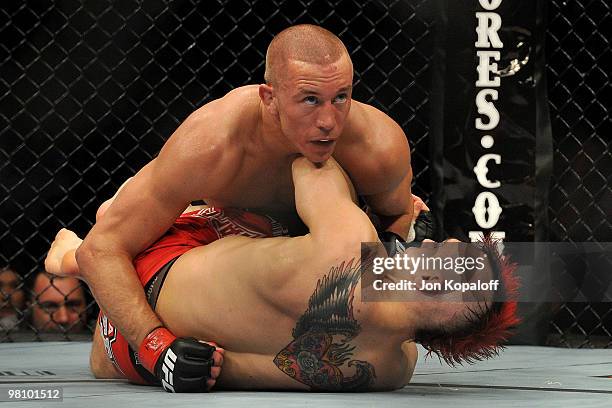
305 43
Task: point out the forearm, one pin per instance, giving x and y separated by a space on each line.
322 193
115 286
324 201
394 208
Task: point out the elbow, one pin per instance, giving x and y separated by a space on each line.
346 241
358 229
91 253
85 256
97 250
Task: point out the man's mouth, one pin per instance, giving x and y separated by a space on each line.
323 142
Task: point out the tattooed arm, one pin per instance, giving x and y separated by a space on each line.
321 352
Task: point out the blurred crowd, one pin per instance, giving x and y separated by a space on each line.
41 303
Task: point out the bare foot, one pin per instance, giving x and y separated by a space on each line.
215 370
65 243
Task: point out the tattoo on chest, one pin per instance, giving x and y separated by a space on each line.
320 353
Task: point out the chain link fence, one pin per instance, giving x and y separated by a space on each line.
578 41
89 91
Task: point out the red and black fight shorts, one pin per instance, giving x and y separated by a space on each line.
189 231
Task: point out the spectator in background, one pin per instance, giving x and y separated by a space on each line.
58 304
12 299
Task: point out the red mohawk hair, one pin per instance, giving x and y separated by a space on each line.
487 328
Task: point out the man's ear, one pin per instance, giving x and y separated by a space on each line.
268 98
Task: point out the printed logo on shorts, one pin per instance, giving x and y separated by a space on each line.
231 221
109 336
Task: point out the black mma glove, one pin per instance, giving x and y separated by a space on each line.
424 227
181 364
392 242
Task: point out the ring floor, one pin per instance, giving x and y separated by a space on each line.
521 376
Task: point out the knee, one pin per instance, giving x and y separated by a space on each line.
101 367
96 366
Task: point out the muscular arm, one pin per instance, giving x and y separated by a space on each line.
395 207
142 212
379 164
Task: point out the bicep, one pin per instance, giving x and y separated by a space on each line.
389 176
395 201
142 211
396 197
190 165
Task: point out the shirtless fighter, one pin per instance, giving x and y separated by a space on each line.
289 311
237 152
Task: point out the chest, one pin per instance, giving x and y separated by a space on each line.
259 187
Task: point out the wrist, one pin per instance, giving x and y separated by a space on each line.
145 327
153 346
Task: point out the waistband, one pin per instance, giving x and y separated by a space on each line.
153 287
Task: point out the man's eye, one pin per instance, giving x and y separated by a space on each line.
49 307
311 100
341 98
75 304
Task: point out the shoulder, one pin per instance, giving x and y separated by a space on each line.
367 121
228 116
411 354
200 138
210 141
217 126
376 148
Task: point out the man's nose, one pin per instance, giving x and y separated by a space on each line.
326 120
61 315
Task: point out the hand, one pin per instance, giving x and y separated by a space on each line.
423 222
181 364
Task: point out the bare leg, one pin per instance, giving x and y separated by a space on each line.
100 365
